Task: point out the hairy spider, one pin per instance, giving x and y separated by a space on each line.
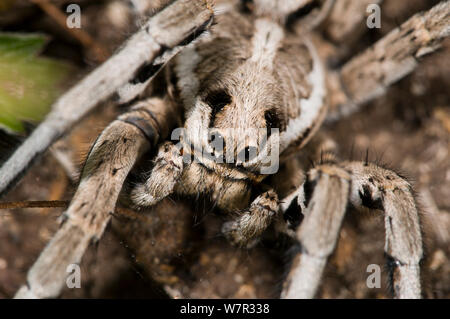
229 106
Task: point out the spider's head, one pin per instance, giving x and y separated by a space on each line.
240 85
237 120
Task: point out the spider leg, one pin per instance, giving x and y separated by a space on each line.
325 193
165 174
396 55
108 164
245 230
374 187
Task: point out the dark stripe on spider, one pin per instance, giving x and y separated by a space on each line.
217 100
196 32
392 266
149 113
144 126
367 199
309 187
145 72
302 137
148 70
293 214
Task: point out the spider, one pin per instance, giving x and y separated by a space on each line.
226 113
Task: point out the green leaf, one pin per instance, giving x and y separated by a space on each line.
29 84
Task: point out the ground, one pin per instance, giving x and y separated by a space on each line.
176 250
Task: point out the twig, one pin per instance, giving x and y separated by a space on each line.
120 211
34 204
85 39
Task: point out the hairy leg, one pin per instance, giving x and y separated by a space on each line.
166 172
108 164
374 187
325 194
246 229
369 74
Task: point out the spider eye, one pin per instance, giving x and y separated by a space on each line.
218 99
272 120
